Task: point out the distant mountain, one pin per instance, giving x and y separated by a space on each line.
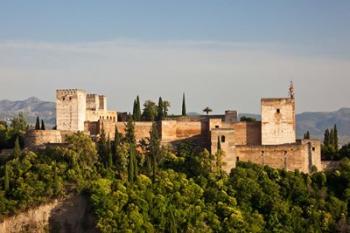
315 122
31 108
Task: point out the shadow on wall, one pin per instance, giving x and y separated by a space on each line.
72 216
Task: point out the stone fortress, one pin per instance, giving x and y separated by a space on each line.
271 141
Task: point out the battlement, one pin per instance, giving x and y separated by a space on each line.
69 91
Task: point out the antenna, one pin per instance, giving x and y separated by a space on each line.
291 90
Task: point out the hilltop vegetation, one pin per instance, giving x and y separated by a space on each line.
149 188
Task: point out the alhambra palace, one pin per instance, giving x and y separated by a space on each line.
271 141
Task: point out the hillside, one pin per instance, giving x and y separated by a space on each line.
315 122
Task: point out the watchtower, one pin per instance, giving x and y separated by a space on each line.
70 109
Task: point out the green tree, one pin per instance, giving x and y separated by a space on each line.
6 178
336 138
166 106
132 164
37 124
42 125
17 149
160 109
326 140
109 154
154 149
136 113
102 147
184 112
307 135
149 111
130 132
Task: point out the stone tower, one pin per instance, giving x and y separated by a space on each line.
70 109
278 124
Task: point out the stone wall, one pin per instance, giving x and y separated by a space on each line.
178 130
42 137
247 133
142 129
278 121
288 157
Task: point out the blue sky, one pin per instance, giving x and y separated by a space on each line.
226 54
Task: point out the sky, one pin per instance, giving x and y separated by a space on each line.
221 54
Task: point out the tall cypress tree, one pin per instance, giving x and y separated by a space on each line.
102 147
131 168
109 158
37 124
6 178
335 139
160 109
307 135
134 111
331 138
154 149
184 113
42 125
138 108
116 143
130 132
132 164
326 138
17 149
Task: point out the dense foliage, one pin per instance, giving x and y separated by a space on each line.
144 187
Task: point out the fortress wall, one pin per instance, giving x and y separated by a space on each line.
290 157
247 133
189 129
168 130
142 129
42 137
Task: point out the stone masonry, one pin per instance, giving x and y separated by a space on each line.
270 142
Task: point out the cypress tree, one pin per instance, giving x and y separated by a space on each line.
17 149
134 111
331 138
116 143
109 158
138 108
37 124
336 139
154 149
160 109
132 165
326 138
184 113
6 179
42 125
102 147
130 132
131 169
307 135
